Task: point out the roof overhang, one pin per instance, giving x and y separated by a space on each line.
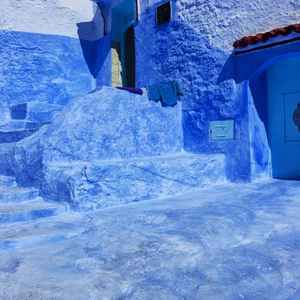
275 37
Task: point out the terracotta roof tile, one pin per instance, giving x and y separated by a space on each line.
263 37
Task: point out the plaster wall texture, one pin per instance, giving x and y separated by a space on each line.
59 17
110 123
175 50
223 22
43 57
44 68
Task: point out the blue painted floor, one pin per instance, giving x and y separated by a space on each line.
223 242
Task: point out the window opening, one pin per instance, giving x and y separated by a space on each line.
163 13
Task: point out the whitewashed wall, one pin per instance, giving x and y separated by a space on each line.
59 17
222 22
45 49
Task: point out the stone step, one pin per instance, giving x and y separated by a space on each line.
17 195
16 130
35 111
27 118
90 186
7 136
29 210
7 181
15 125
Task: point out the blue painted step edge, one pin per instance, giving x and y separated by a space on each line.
15 136
91 186
7 181
31 214
15 195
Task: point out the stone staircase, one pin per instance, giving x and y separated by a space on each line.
25 119
111 148
16 130
106 149
24 204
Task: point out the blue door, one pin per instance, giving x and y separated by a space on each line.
283 121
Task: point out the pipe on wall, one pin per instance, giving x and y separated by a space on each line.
103 17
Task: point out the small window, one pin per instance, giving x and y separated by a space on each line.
163 13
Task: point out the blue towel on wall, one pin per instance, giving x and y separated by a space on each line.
168 93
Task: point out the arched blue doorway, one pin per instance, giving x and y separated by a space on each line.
274 95
267 79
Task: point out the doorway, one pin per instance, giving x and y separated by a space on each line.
283 79
129 58
123 44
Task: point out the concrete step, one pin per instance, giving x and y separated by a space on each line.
35 111
15 125
7 136
90 186
7 181
29 210
17 195
16 130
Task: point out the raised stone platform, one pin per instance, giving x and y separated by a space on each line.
113 124
90 186
107 149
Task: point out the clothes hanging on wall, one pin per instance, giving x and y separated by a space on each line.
168 93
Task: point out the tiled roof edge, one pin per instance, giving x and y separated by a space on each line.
263 37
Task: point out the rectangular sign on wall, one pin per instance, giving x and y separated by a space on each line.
222 130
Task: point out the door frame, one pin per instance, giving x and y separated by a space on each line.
257 126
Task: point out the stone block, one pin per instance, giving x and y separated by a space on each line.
113 124
112 183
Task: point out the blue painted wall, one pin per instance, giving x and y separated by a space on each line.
175 50
258 125
217 85
112 124
42 68
102 61
46 71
